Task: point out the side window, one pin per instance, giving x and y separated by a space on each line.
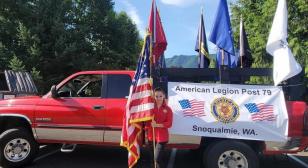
82 86
118 86
3 84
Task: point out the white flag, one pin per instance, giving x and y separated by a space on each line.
285 65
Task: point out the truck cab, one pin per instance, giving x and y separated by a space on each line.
85 108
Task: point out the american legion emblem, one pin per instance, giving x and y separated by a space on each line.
225 110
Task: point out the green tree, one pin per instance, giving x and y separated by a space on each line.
4 55
16 64
258 17
59 37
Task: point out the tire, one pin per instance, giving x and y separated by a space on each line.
18 148
230 154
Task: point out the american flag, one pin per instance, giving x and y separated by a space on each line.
192 108
261 112
139 104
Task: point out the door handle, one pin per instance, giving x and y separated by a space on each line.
98 107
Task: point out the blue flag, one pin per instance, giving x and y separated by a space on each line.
161 62
201 46
221 34
229 59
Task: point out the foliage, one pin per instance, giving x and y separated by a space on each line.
187 61
258 17
36 74
16 64
182 61
59 37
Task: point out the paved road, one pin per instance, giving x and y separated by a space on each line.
115 157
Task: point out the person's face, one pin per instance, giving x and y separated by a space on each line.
159 97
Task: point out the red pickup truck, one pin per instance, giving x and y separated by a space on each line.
88 107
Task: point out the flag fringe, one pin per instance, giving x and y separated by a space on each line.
129 146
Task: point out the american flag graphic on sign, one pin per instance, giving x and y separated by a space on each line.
192 108
261 112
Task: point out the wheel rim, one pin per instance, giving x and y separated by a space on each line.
232 159
17 150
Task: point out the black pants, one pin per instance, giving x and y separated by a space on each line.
159 154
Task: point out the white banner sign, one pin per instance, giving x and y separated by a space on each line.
228 111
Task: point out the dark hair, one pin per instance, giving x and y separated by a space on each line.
159 89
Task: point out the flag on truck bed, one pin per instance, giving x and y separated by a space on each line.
201 46
285 66
139 104
245 52
158 35
222 37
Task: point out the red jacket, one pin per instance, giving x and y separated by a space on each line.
162 115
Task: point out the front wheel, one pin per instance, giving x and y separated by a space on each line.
230 154
18 148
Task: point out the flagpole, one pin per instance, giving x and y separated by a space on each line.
200 31
241 62
155 165
154 24
241 41
153 36
151 55
153 129
222 56
153 41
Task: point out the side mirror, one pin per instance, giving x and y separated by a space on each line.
53 91
77 81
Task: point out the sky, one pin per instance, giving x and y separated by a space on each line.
180 19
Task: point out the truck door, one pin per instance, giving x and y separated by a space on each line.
117 93
76 114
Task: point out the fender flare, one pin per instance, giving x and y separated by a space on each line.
23 117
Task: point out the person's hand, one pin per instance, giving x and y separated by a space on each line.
154 124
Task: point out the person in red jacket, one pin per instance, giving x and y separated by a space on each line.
161 122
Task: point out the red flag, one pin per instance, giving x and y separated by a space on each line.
140 105
158 34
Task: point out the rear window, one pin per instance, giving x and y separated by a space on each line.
118 86
3 84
